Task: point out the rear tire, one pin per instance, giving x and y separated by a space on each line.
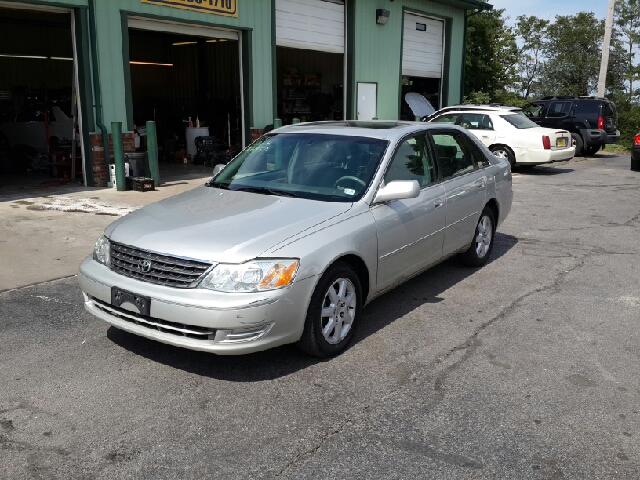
635 164
577 139
481 246
501 151
333 312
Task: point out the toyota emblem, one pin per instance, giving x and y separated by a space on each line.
144 266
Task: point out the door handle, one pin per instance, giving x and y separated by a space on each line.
438 203
480 184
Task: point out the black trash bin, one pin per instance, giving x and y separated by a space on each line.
138 163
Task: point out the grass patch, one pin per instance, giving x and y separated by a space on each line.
617 148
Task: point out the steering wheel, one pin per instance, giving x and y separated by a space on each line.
347 179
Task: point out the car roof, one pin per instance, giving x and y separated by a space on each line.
474 107
572 97
382 129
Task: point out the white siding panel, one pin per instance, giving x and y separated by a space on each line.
422 54
310 25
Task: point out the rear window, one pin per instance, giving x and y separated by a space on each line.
519 120
587 109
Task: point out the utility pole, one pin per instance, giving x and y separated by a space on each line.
608 26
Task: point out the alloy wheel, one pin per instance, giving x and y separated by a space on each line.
485 234
338 310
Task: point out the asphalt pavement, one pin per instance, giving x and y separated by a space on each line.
526 368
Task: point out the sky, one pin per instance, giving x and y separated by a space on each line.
548 9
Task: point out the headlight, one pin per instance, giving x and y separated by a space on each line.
102 251
254 276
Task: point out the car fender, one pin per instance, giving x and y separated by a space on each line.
317 250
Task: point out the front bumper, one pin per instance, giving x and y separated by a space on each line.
199 319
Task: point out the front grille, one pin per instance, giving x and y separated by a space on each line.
165 270
178 329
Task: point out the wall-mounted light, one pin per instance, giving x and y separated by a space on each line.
382 16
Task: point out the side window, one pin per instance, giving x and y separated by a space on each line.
412 162
476 121
453 158
559 109
534 110
478 156
448 118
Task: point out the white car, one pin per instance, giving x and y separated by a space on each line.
29 127
509 133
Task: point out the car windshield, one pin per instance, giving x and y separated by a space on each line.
519 120
332 168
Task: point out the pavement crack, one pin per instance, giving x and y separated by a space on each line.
313 450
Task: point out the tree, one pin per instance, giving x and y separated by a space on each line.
532 32
627 31
491 53
572 49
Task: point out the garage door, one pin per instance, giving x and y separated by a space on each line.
422 50
310 24
181 28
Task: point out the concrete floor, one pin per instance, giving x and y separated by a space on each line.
39 244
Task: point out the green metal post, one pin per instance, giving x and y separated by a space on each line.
118 155
295 120
152 153
418 118
277 123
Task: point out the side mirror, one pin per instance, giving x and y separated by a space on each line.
398 190
218 168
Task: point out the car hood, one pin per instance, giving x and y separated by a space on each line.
220 225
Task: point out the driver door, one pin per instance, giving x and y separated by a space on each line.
411 231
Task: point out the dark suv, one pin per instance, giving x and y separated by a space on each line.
593 122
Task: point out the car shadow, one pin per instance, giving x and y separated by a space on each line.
282 361
540 170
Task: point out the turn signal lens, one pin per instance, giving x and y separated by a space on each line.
546 142
600 123
279 276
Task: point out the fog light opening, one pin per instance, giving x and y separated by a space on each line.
242 335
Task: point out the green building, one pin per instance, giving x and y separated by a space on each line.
230 65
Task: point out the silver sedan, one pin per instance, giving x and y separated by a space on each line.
289 241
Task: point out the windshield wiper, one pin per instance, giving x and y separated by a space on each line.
217 185
270 191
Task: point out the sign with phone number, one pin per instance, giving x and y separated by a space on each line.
228 8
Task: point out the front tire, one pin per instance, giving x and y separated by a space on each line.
332 313
480 249
505 153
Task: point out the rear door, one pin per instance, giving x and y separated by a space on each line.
465 188
480 125
558 115
411 231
